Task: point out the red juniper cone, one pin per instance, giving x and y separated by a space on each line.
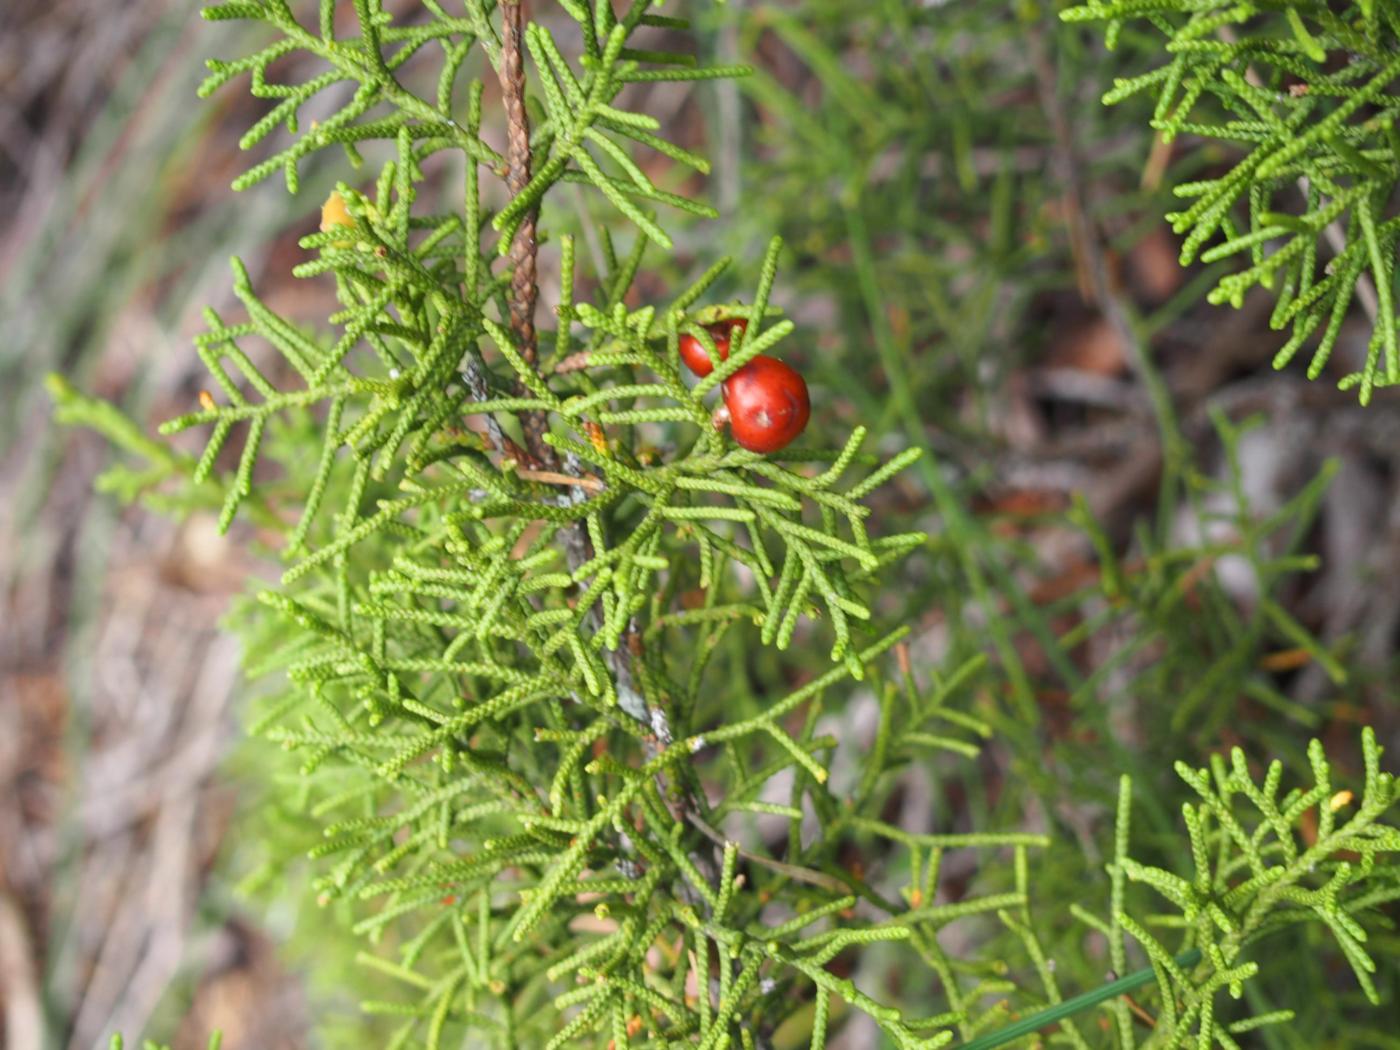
693 351
767 404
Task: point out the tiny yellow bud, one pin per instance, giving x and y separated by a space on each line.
1340 799
596 437
333 214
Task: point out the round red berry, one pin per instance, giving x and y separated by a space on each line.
693 351
767 404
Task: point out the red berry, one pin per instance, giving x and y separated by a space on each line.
767 404
726 328
693 351
694 356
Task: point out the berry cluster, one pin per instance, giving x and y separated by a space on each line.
765 402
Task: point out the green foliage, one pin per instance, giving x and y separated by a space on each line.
1308 91
450 601
526 699
1261 862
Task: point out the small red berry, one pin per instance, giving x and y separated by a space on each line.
767 404
693 351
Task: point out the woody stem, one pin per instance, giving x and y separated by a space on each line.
524 280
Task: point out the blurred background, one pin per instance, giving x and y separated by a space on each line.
1165 547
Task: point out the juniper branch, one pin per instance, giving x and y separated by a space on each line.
1334 230
1310 91
524 294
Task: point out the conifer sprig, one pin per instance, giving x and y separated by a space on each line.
1306 94
1261 863
1262 859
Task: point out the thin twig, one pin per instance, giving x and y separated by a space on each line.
554 477
574 362
793 871
1088 250
24 1018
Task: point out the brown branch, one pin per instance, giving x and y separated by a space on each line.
524 291
524 283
